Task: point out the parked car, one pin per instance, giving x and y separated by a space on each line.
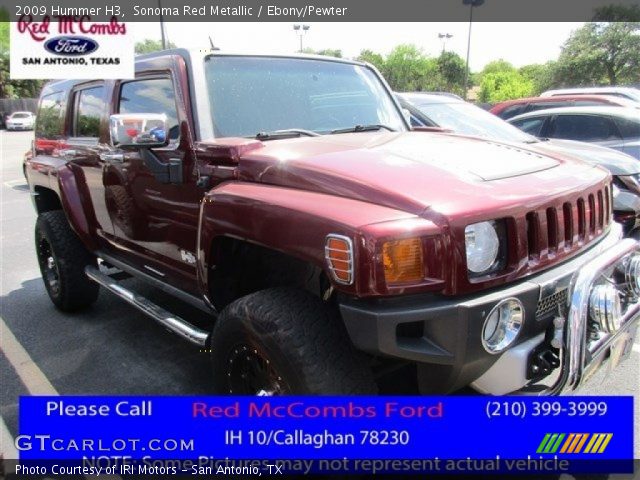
20 121
465 118
624 92
612 127
511 108
327 241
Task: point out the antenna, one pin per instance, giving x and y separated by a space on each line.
213 47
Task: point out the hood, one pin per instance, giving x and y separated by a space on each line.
618 163
414 171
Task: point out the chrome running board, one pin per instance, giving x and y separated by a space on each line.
172 322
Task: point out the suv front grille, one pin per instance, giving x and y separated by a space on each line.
561 229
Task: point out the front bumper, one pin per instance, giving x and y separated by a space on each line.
442 335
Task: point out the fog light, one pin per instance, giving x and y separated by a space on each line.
632 275
605 307
502 326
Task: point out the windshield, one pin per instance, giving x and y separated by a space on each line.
249 95
21 115
467 119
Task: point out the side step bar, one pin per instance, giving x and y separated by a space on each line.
172 322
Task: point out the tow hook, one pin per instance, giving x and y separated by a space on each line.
543 360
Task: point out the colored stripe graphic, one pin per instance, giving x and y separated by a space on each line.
543 443
574 443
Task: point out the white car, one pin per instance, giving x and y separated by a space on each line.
629 93
21 121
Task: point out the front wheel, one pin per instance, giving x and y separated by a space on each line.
284 341
62 258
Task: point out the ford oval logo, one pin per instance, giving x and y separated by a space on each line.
71 46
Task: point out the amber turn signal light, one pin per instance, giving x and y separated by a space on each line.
338 252
403 261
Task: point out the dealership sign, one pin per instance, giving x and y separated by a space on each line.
63 47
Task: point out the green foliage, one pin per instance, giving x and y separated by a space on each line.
497 66
617 13
601 53
505 85
330 52
408 69
148 46
373 58
4 30
542 76
451 70
16 88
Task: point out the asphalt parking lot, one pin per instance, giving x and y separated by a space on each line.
110 348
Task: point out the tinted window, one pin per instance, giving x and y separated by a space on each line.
89 108
151 96
629 128
511 111
21 115
531 126
588 128
49 118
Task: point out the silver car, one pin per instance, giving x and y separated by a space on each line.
612 127
454 114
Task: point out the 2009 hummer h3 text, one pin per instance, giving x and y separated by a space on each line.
287 197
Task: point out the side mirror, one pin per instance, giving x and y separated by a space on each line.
141 130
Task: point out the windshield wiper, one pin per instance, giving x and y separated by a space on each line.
288 133
364 128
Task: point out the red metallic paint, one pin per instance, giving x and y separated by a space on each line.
289 194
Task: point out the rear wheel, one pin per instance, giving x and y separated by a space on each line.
284 341
62 258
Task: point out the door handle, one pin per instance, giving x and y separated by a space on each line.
112 157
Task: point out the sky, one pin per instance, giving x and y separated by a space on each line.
517 42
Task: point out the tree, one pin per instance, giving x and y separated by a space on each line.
148 46
451 70
542 76
601 52
330 52
407 68
373 58
4 30
498 86
497 66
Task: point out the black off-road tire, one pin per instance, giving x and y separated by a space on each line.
56 240
298 339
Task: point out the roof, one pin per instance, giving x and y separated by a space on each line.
633 92
595 110
205 52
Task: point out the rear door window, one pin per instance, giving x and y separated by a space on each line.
629 128
50 118
586 128
88 112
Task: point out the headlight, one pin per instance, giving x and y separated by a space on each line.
482 245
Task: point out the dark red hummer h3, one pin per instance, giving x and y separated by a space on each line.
287 197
